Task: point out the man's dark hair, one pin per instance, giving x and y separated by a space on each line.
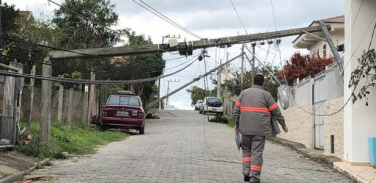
258 80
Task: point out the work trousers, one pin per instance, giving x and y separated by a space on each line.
252 147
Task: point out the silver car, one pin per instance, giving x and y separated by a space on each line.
212 105
198 104
169 107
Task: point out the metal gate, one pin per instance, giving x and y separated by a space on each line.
318 100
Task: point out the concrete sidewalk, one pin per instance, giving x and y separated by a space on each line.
14 165
362 174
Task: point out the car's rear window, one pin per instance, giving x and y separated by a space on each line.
214 100
123 100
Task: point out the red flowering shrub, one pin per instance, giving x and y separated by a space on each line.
302 66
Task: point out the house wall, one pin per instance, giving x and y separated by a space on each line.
359 119
328 95
301 127
333 126
299 124
338 39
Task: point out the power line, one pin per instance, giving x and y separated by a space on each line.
165 18
241 22
86 70
275 23
45 46
85 81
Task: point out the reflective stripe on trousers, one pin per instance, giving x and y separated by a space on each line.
252 148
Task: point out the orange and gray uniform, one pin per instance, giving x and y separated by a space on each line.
253 112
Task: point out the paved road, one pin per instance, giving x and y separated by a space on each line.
182 147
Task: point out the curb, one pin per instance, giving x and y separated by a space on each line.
300 148
353 176
315 156
20 174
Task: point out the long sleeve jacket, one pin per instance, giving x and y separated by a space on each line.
253 112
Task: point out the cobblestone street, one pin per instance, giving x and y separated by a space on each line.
183 147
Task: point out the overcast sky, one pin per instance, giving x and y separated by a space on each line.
210 19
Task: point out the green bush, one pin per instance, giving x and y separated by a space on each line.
231 123
78 139
219 118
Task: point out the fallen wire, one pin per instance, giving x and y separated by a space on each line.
85 81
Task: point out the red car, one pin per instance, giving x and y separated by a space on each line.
123 110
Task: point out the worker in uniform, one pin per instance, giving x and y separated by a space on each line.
253 113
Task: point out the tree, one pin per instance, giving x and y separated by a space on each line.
234 85
269 84
197 93
365 71
89 29
20 25
302 66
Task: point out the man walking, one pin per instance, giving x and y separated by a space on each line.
253 114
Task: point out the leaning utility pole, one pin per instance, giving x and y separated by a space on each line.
168 87
159 94
182 47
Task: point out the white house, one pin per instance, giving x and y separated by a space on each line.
321 94
316 43
359 119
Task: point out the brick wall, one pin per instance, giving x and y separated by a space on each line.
299 124
334 126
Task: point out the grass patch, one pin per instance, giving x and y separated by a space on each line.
231 123
79 139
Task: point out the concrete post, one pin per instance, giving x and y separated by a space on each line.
92 96
8 110
70 107
219 80
31 89
45 124
60 104
17 99
85 104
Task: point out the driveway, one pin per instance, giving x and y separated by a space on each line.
183 147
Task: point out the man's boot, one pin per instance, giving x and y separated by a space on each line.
247 178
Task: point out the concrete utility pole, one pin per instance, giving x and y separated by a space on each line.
70 107
1 33
159 94
91 110
45 123
253 61
168 87
219 80
86 103
181 46
194 80
31 89
332 47
60 104
242 70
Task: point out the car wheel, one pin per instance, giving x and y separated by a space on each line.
142 130
104 128
200 111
